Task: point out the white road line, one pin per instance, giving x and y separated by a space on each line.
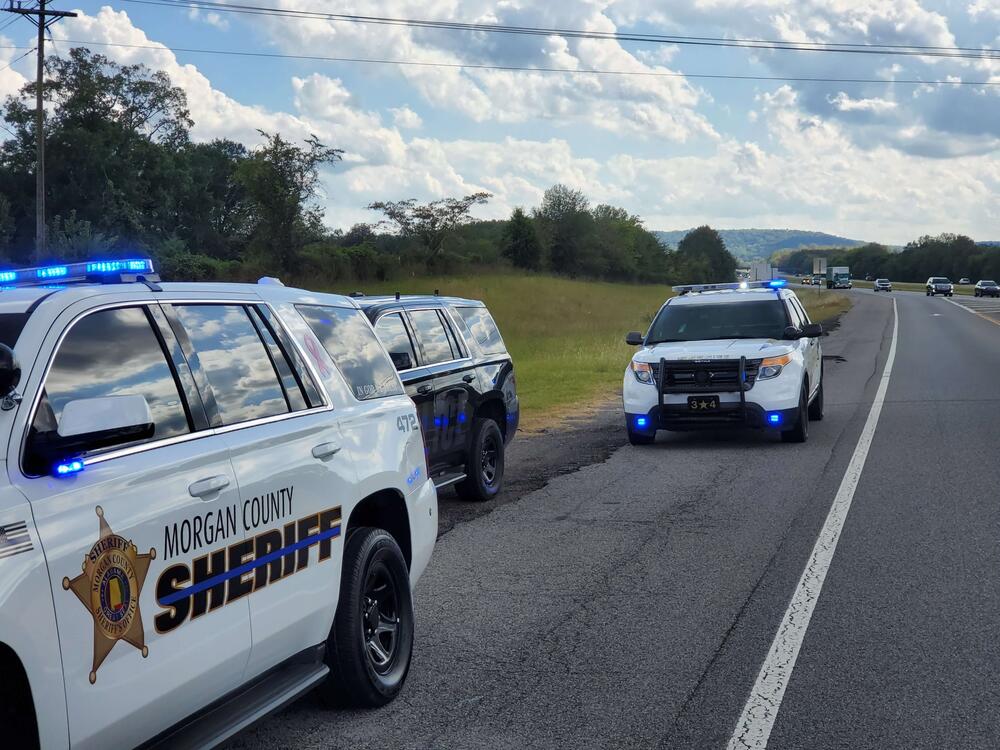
757 720
958 304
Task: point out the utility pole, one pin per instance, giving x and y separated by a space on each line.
42 18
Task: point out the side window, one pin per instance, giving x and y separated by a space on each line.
802 311
235 361
433 337
483 329
392 332
108 353
453 337
353 346
794 315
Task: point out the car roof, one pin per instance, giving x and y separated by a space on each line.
721 296
375 305
23 299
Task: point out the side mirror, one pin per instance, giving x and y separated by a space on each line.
401 360
89 424
10 371
813 330
792 333
634 338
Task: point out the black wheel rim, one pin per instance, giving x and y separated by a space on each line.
380 618
489 461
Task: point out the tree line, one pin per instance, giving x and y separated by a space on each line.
124 177
953 255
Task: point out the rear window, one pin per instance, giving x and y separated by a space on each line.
484 330
348 338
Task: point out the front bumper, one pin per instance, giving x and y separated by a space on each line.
779 395
678 418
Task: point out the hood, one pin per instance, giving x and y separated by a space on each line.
715 349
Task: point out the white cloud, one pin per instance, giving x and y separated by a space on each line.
988 8
406 118
211 18
845 103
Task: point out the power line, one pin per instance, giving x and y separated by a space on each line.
17 59
524 68
764 44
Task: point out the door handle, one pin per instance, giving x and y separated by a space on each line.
325 450
203 488
468 378
425 389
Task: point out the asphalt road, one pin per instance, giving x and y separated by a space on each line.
632 601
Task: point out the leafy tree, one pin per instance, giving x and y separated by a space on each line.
520 241
429 223
566 224
358 234
111 136
703 257
281 179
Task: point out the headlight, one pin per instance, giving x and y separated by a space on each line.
643 372
771 367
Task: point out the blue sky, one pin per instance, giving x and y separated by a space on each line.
873 161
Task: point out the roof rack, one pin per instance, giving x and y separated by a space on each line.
772 284
102 271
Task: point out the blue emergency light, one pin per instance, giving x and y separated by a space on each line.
774 418
94 270
69 467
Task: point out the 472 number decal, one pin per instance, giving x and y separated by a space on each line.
407 423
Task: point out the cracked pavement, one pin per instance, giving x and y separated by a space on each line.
630 601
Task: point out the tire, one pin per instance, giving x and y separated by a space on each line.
800 431
640 438
485 464
374 570
816 407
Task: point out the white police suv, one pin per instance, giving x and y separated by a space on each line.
726 355
214 498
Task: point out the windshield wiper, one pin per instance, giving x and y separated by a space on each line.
665 341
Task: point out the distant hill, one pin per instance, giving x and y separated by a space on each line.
747 244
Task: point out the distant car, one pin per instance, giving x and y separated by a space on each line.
807 280
964 280
868 277
940 285
986 288
883 285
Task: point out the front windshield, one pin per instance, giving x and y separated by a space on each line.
989 283
940 281
760 319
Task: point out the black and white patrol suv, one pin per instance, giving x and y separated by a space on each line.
456 368
726 355
214 499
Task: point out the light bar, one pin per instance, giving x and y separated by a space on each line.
86 271
773 284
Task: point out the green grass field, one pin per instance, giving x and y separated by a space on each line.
567 337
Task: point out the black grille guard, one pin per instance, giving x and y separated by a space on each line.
742 379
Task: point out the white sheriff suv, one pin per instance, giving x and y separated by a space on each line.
214 499
726 355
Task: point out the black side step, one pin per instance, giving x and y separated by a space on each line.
246 706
